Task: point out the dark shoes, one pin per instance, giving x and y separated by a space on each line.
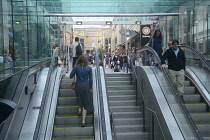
83 125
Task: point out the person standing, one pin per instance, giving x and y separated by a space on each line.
83 86
73 50
156 42
176 65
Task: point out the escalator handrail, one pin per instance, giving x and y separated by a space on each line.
174 91
104 134
45 95
202 58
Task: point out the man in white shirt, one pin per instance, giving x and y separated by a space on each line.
73 50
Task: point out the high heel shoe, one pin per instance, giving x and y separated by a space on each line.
83 125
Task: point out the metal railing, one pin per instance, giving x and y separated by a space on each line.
53 65
104 127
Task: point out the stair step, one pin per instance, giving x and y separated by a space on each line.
67 100
127 114
74 138
67 80
200 116
186 83
125 109
65 85
122 103
203 127
66 92
121 87
132 136
121 97
192 98
67 109
196 107
110 83
128 121
128 128
72 119
121 92
76 130
118 75
189 89
118 79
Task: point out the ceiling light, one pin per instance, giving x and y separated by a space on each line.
79 23
138 22
108 23
17 22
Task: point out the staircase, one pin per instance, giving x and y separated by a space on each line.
122 100
197 108
67 125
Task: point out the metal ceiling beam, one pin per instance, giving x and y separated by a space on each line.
111 15
103 22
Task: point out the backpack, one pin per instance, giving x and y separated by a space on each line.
78 50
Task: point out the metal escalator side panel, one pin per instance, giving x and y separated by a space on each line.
156 100
49 115
106 107
96 107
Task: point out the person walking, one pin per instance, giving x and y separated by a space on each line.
176 65
83 86
73 50
156 42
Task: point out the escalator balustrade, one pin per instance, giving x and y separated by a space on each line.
197 108
67 125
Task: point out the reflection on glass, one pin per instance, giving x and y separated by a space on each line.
194 62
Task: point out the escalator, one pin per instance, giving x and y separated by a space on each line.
59 119
195 104
67 124
197 107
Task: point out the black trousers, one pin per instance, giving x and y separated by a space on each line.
74 61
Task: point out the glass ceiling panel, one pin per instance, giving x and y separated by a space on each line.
113 6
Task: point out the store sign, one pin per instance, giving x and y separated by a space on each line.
145 34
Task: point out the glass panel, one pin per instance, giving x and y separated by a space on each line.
32 35
1 39
20 36
6 39
198 67
111 6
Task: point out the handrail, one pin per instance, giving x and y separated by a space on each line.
203 59
146 106
174 91
45 95
104 134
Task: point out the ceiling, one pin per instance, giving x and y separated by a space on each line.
111 6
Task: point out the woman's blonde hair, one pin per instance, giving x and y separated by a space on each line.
82 61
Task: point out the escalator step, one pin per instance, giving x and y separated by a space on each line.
189 89
200 116
73 130
67 100
196 107
66 92
74 138
192 98
72 119
67 109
